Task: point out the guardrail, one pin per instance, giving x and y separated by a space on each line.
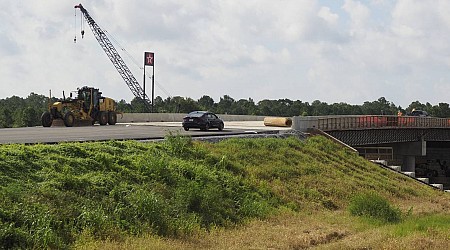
328 123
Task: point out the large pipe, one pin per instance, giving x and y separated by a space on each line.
278 121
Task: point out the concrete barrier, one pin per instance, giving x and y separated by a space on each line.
438 186
304 123
382 162
396 168
178 117
424 180
410 174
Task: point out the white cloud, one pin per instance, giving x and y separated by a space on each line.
326 14
335 51
359 15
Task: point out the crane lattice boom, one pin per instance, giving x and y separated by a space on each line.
115 58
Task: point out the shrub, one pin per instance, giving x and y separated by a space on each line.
373 206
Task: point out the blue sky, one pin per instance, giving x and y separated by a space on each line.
333 51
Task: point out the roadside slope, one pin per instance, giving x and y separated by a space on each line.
181 193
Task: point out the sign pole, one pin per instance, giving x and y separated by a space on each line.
143 94
153 85
149 59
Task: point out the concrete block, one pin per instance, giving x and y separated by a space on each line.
424 180
383 162
438 185
303 123
410 174
396 168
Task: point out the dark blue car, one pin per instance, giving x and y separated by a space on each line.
203 120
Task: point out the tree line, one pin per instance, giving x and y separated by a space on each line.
26 112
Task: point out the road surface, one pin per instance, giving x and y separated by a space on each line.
134 131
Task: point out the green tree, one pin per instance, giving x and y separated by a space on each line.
298 108
319 108
138 106
123 106
29 117
265 107
39 102
188 105
379 107
158 105
6 118
416 105
225 105
206 103
441 110
244 107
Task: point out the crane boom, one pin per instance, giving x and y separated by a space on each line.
115 58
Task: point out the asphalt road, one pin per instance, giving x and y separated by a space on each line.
118 132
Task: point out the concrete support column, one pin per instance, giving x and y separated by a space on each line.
408 152
409 163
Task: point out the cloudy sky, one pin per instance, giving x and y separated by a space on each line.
329 50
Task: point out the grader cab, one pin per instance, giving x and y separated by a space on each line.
88 107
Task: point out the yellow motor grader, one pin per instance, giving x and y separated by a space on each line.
88 107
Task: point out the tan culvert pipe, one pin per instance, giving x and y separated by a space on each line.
277 121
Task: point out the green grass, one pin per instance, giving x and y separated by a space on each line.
53 196
53 193
373 206
428 225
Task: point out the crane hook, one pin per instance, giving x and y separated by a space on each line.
82 33
75 39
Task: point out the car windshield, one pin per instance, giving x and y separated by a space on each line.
196 114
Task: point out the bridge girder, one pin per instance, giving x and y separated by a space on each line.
393 135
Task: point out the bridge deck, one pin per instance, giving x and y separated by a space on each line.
378 121
377 129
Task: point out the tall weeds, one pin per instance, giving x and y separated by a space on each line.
53 195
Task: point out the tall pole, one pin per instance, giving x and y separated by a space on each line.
143 94
149 59
153 86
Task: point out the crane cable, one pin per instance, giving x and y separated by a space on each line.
136 63
121 47
82 25
75 38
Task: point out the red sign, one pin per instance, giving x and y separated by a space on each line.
149 58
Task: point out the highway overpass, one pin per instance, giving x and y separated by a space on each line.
417 144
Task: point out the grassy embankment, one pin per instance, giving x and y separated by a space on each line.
236 194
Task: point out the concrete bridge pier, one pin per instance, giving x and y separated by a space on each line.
409 163
408 152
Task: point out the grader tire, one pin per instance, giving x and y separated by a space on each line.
103 118
69 119
112 118
46 119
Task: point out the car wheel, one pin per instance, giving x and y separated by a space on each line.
221 126
186 128
207 126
